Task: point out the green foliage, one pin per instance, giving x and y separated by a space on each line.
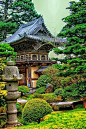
27 7
36 95
56 50
23 89
20 107
13 13
6 50
41 90
34 110
75 31
49 97
42 81
60 120
75 90
2 101
60 76
51 72
59 92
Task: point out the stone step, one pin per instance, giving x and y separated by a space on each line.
58 105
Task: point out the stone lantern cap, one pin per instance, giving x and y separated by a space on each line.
11 73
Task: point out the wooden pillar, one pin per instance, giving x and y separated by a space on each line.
27 76
37 56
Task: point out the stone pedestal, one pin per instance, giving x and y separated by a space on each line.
11 113
11 76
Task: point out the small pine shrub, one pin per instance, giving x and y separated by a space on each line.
23 89
34 110
41 90
42 81
51 99
37 95
59 92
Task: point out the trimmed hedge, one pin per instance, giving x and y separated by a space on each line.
34 110
41 90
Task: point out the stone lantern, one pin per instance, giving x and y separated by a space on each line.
11 76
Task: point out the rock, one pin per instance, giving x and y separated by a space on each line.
49 89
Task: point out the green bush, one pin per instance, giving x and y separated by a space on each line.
23 89
34 110
75 90
51 99
42 81
59 92
41 90
20 107
37 95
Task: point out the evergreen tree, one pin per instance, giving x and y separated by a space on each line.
75 31
24 11
6 24
6 50
13 13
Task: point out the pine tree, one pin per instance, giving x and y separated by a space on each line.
6 50
13 13
24 11
75 32
6 24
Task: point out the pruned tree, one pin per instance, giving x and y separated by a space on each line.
75 31
6 52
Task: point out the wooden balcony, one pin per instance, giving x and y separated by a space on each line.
34 62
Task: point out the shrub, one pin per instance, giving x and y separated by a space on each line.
51 99
59 92
41 90
42 81
37 95
34 110
75 90
23 89
20 107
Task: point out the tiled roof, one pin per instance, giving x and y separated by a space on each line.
28 30
41 69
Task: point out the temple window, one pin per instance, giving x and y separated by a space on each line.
27 56
17 58
22 57
34 57
43 57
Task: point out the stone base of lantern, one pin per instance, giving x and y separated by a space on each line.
11 76
12 114
13 125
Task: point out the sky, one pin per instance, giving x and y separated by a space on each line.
53 11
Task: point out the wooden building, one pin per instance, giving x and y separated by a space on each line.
32 42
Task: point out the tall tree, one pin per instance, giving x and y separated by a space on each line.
24 11
75 31
13 13
6 24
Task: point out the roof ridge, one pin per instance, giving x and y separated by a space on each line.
29 23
